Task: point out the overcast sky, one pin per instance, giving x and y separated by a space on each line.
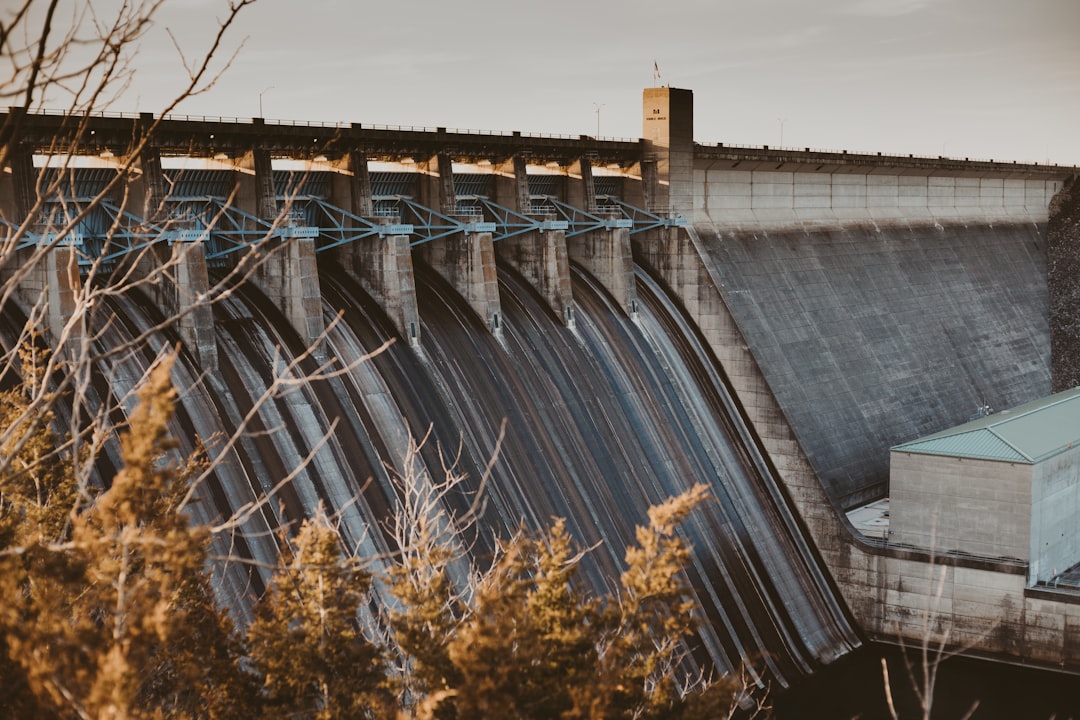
964 78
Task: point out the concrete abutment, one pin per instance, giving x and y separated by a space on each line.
985 607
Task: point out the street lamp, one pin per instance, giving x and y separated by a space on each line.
782 121
260 98
598 106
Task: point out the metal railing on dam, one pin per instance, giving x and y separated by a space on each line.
790 158
232 120
199 135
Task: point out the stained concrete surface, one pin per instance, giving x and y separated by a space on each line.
869 338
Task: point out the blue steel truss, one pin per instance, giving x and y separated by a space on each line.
57 217
601 218
128 232
29 239
579 221
431 225
227 229
336 226
642 220
510 223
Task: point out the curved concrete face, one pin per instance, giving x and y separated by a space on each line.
871 338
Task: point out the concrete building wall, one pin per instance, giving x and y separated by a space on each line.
1055 516
946 504
979 610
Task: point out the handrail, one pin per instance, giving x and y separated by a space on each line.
869 154
342 125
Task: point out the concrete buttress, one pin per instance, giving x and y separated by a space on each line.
48 286
285 267
606 254
539 256
383 267
542 258
466 260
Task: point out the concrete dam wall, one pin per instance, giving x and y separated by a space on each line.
881 306
872 337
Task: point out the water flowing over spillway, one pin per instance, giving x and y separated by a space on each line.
601 421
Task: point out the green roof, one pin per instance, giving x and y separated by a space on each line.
1029 433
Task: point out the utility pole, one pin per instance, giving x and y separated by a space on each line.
260 98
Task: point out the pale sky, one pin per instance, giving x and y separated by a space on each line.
965 78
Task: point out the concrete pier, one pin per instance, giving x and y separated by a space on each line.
46 280
284 262
580 186
47 286
188 297
384 268
466 260
382 264
542 258
606 254
18 188
512 185
174 262
351 185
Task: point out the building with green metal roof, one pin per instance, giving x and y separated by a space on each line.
1002 486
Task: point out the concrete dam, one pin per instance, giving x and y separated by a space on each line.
641 314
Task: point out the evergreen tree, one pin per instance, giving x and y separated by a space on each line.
639 667
37 496
530 641
429 581
110 612
305 641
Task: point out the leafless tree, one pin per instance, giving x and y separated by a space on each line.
74 61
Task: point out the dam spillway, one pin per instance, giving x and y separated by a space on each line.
602 420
